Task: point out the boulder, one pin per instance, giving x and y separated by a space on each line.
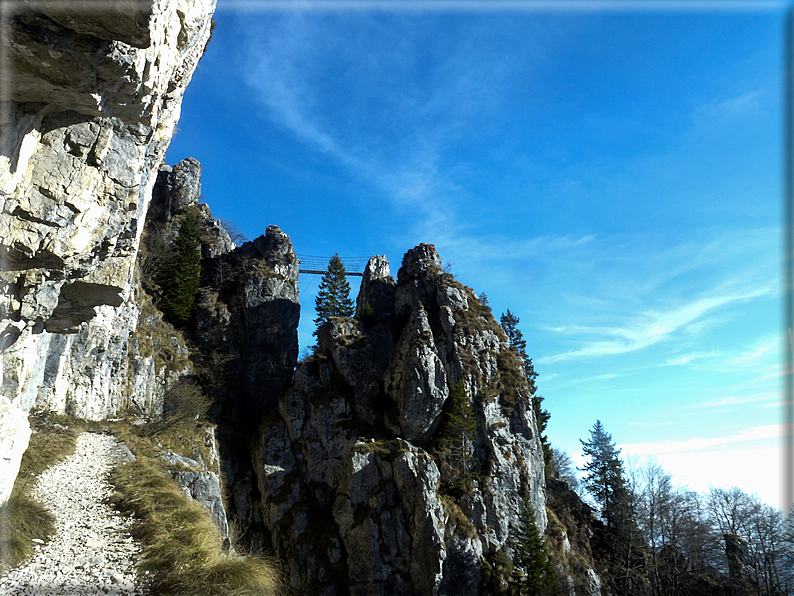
14 438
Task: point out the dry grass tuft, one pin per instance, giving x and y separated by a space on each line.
182 546
22 520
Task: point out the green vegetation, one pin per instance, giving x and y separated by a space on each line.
604 474
453 445
367 315
170 271
333 298
532 557
182 276
510 325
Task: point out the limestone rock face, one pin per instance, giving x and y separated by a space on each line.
87 116
377 290
573 539
14 437
204 486
739 560
417 380
199 477
350 472
248 317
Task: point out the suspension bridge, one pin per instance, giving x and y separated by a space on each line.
319 265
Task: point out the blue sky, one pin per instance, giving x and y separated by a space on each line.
613 177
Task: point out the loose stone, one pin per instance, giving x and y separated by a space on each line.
92 552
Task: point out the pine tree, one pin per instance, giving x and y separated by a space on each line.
484 301
516 339
182 277
531 555
333 299
455 438
604 475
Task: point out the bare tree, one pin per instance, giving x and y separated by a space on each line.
730 509
233 230
562 466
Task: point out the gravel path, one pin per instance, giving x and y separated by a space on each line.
92 552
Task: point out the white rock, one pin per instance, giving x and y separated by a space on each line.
14 438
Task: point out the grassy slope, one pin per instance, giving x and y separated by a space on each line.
182 546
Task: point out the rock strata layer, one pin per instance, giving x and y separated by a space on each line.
92 552
87 116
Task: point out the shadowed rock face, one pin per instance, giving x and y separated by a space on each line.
87 116
249 317
347 464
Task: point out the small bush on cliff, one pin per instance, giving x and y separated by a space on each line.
367 315
182 403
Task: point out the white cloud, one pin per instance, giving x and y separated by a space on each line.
687 358
750 459
753 470
732 107
695 444
771 346
604 377
734 400
649 327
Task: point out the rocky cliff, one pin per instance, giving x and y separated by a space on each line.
89 102
357 490
348 465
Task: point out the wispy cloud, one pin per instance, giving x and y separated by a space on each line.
687 358
354 88
604 377
733 107
734 400
648 328
756 433
770 346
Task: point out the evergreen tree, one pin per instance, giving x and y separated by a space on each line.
181 278
516 339
531 555
455 438
510 325
333 299
604 475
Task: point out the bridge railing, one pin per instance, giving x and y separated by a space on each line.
319 265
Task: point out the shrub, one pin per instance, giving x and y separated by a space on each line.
182 403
